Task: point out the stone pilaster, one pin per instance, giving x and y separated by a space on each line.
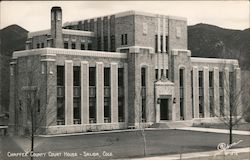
114 92
206 91
216 96
238 90
12 108
126 91
99 92
68 92
196 92
226 90
84 92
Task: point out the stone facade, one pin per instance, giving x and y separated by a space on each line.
113 72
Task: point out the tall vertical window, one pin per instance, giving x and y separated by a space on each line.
221 88
38 45
121 95
156 74
42 45
105 43
143 94
192 93
107 109
201 97
166 43
156 43
232 95
77 95
99 43
112 43
92 95
211 93
60 96
161 43
181 83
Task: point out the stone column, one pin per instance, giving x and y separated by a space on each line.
84 92
206 91
226 90
216 96
114 92
69 92
99 92
125 66
238 90
196 91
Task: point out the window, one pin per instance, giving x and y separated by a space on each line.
161 43
211 79
82 46
156 74
73 45
77 110
76 75
107 109
38 45
92 76
106 76
42 45
112 43
156 44
66 45
143 77
99 43
166 43
181 83
90 46
124 39
105 43
92 109
60 75
60 111
120 77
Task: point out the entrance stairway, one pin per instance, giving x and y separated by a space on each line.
172 124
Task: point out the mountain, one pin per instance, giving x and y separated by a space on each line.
12 38
206 40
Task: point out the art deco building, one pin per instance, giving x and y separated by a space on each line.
114 72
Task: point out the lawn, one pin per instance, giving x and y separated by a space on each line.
122 145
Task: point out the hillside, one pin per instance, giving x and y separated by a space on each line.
12 38
211 41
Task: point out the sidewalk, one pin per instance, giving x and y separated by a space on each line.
232 154
213 130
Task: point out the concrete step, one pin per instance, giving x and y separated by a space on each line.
173 124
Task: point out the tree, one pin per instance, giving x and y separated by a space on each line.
231 112
34 93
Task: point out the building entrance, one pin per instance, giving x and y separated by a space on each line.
164 109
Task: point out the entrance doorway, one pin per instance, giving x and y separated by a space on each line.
164 109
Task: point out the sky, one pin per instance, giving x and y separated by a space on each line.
35 15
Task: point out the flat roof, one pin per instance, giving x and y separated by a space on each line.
60 51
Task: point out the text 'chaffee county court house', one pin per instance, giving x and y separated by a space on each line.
114 72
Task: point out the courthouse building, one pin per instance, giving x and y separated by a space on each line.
114 72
